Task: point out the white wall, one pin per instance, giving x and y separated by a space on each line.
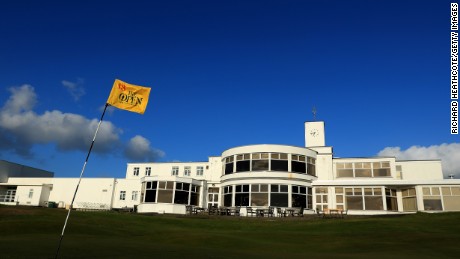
127 185
421 170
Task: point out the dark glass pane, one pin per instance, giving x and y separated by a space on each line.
274 188
259 165
154 185
185 186
246 188
303 189
229 168
238 188
279 199
178 186
228 200
283 188
299 200
149 185
194 198
298 167
242 199
242 166
279 165
295 189
181 197
150 195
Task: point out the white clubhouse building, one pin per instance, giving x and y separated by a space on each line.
254 175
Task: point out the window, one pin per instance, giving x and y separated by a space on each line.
199 170
31 193
339 198
451 198
363 169
175 170
392 199
242 195
213 196
299 196
381 169
409 199
122 195
148 170
311 167
279 195
259 194
344 169
321 198
165 191
279 162
298 164
181 193
431 198
151 191
228 167
136 171
367 198
187 170
134 196
194 195
228 190
260 162
243 163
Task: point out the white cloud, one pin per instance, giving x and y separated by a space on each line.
75 88
448 153
21 128
139 149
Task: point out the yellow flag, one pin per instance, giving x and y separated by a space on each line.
129 97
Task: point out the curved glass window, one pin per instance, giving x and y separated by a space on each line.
260 161
229 165
243 163
279 162
259 194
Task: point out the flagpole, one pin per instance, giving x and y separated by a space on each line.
79 180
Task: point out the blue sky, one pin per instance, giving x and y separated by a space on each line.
223 74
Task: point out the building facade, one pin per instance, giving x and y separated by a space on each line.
260 176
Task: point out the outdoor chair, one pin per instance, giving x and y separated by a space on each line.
298 213
236 211
271 211
251 211
212 210
280 213
188 209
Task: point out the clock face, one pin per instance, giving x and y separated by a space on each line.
314 132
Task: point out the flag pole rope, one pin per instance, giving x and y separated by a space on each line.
79 181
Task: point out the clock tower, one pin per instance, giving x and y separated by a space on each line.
314 134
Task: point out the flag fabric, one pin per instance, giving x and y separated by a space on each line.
129 97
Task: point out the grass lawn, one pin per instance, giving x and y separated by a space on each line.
28 232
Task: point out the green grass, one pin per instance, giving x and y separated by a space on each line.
28 232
